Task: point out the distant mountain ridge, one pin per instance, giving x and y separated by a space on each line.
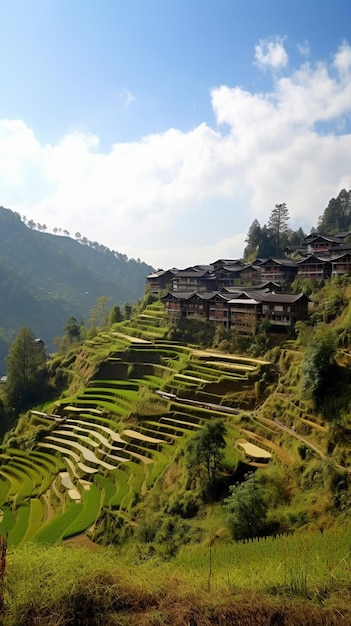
46 278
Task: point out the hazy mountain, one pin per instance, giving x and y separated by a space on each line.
45 278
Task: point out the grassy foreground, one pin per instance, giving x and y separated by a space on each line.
302 579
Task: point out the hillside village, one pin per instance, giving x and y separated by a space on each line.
241 296
120 452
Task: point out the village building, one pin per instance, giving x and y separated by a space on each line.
187 304
235 275
341 264
320 244
281 310
315 267
160 280
242 296
193 279
242 311
278 270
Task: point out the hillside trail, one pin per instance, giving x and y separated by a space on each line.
293 433
220 408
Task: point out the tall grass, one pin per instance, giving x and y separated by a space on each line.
296 565
60 586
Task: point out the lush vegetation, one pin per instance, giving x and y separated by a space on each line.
207 476
289 580
231 448
337 215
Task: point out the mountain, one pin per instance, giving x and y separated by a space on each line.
46 278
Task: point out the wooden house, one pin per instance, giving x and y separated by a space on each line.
278 270
341 264
192 279
235 275
245 312
186 304
315 267
283 310
321 245
160 280
249 308
218 308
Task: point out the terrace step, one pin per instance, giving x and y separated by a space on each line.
88 455
175 421
134 434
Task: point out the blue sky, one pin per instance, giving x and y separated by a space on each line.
162 128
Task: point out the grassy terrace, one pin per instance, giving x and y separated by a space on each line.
97 456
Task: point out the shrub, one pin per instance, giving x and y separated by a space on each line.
246 509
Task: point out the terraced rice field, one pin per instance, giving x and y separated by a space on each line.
96 452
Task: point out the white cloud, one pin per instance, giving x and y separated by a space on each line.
271 53
342 59
304 48
178 198
127 98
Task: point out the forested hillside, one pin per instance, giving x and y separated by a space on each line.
337 215
45 279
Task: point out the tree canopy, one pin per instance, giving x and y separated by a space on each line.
206 448
26 377
337 215
271 239
278 224
246 509
319 370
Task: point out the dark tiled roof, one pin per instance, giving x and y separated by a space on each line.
343 254
276 298
343 234
225 262
206 268
161 273
191 273
330 238
284 262
283 297
311 257
343 246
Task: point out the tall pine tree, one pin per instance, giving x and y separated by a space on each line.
278 224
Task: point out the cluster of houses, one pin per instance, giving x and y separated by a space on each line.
241 296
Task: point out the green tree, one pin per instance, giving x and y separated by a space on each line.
194 330
318 368
246 509
72 330
128 309
278 224
115 315
253 240
206 449
26 378
99 314
337 215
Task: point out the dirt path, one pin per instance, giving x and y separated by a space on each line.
50 511
324 456
81 541
144 485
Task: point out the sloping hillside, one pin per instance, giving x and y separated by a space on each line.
134 397
44 278
110 461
